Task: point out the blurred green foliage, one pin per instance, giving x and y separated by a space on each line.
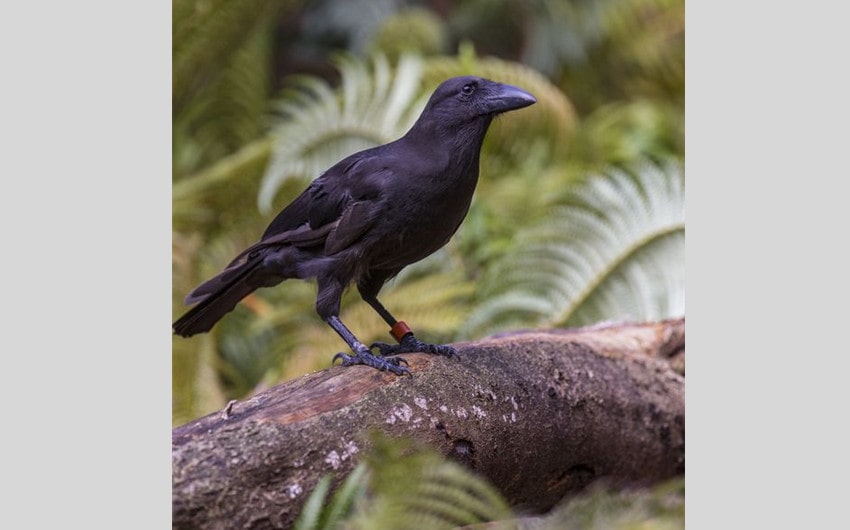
402 485
266 93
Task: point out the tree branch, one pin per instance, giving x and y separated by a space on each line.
540 414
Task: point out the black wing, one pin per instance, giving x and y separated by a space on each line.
336 209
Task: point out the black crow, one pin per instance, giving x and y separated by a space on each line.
369 216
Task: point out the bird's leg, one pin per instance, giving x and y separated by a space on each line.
327 305
407 341
362 354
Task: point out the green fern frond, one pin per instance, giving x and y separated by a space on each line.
650 286
228 113
311 512
235 110
414 487
220 190
621 133
617 252
604 507
649 37
321 126
351 491
204 36
319 514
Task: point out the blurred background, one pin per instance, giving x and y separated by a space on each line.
579 212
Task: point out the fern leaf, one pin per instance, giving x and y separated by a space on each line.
205 35
321 126
421 489
660 507
308 519
616 253
352 489
317 514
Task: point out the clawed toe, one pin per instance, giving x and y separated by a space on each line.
442 349
384 349
347 360
393 365
385 357
411 344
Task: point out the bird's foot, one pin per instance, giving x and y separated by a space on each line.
362 355
410 344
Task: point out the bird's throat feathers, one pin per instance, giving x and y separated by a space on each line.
456 145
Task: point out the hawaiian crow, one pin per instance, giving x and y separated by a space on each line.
369 216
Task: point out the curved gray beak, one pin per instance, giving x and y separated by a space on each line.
508 97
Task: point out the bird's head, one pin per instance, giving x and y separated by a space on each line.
465 99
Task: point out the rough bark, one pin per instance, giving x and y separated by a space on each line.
539 414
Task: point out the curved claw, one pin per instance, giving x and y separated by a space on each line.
383 348
347 360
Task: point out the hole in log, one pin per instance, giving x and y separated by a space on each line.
463 452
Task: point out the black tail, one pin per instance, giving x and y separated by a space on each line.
216 298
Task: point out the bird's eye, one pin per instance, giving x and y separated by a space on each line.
468 89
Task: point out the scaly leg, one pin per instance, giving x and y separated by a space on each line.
362 354
407 341
327 305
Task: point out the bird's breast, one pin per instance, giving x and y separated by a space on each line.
418 223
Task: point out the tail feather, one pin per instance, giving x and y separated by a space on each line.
216 298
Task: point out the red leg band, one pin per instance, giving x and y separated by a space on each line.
399 330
